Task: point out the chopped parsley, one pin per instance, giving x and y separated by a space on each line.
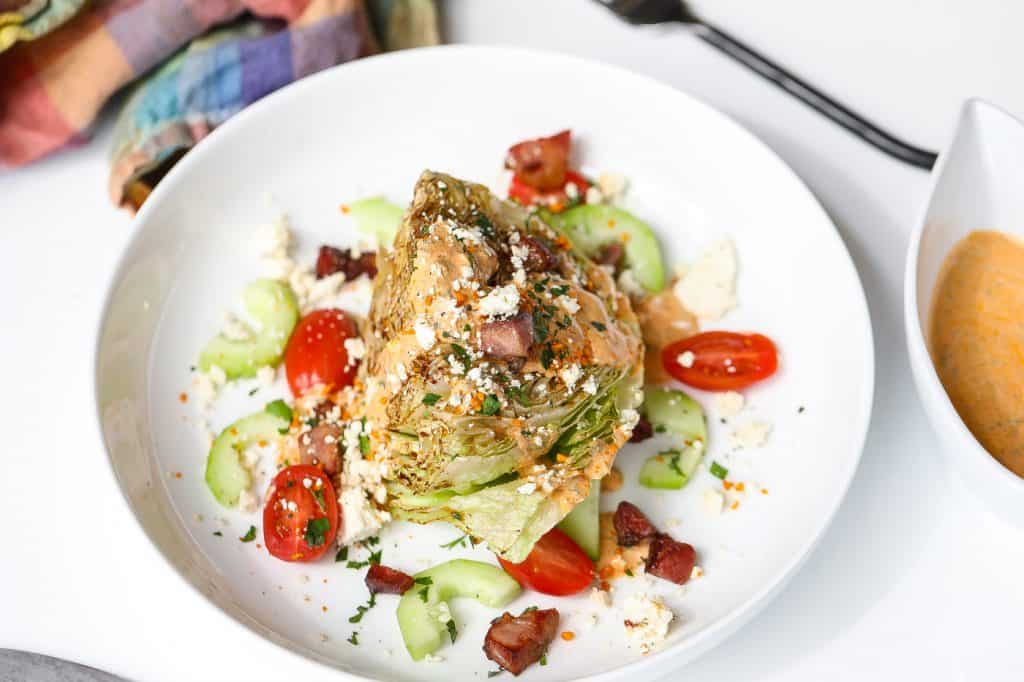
320 501
375 556
457 542
598 326
364 444
485 225
424 594
659 428
279 408
311 422
560 291
354 639
316 531
424 580
250 535
544 658
494 673
629 572
462 355
431 399
218 533
546 356
372 541
253 391
452 632
529 609
719 471
361 610
342 554
491 406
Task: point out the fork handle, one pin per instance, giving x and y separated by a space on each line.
816 99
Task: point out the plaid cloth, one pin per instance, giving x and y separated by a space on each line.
52 87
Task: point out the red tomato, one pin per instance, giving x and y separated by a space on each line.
316 352
556 565
722 361
300 523
556 199
541 163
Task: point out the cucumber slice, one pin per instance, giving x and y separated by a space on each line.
672 469
583 523
677 412
591 226
377 216
226 476
271 304
423 612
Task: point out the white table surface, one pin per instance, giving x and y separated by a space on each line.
914 580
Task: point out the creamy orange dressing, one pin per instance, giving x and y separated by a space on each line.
976 334
663 319
614 560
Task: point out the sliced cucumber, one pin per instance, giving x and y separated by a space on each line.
672 469
677 412
271 304
377 216
591 226
423 613
226 475
583 523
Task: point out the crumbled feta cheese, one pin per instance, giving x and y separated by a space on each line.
729 404
266 376
600 598
570 375
750 435
208 384
425 334
501 301
629 285
572 191
569 304
590 386
432 658
612 185
527 488
466 234
697 572
320 291
594 195
355 348
686 358
708 289
247 502
630 418
234 328
646 621
713 501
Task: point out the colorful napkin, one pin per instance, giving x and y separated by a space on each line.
195 63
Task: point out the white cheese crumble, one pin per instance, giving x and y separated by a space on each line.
686 358
355 348
527 488
363 485
594 195
612 185
266 376
646 621
247 502
590 386
569 304
729 404
630 418
713 502
600 598
425 335
750 435
432 658
708 289
208 384
629 285
570 375
501 301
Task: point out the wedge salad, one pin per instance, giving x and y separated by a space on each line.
510 349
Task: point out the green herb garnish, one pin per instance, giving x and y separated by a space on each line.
598 326
424 594
424 580
546 356
457 542
462 355
320 501
431 399
316 531
218 533
629 572
250 535
491 406
544 658
252 392
719 471
342 554
279 408
361 610
354 639
452 632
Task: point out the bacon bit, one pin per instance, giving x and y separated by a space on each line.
259 545
429 300
735 504
611 223
460 298
358 385
563 242
626 236
727 485
764 491
739 487
568 635
561 458
605 586
344 208
183 397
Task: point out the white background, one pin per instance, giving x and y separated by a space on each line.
913 581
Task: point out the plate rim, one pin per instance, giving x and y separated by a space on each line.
687 649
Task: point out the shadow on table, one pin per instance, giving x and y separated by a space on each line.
876 536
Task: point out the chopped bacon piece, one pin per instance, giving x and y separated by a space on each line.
540 258
383 580
517 642
611 254
671 560
320 446
510 338
331 260
631 525
541 163
642 431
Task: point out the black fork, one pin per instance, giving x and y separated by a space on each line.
664 11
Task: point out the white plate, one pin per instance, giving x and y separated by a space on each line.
370 128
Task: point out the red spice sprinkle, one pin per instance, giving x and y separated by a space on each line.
177 474
764 491
727 485
735 504
568 635
344 208
739 487
183 397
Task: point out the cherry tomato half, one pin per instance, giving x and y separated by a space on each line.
316 352
556 565
300 521
541 163
555 199
721 361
